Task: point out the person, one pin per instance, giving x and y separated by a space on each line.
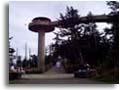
58 64
20 70
88 67
12 69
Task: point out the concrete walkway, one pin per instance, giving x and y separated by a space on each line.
48 76
53 73
55 70
54 76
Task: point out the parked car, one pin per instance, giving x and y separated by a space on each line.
84 72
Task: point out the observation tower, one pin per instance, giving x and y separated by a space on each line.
41 25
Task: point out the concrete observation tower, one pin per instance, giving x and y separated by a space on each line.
41 25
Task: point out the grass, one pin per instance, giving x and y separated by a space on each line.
12 81
110 76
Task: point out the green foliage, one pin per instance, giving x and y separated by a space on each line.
113 55
114 6
11 53
84 43
70 19
109 76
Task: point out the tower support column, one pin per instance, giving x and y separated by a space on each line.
41 51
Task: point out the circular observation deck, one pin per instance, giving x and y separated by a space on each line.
41 24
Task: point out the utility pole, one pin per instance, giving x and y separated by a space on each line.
17 53
26 51
29 53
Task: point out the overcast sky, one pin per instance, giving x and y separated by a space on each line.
21 13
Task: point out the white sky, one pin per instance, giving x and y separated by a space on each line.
21 13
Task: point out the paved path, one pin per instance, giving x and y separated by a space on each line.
55 70
48 76
54 76
53 73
